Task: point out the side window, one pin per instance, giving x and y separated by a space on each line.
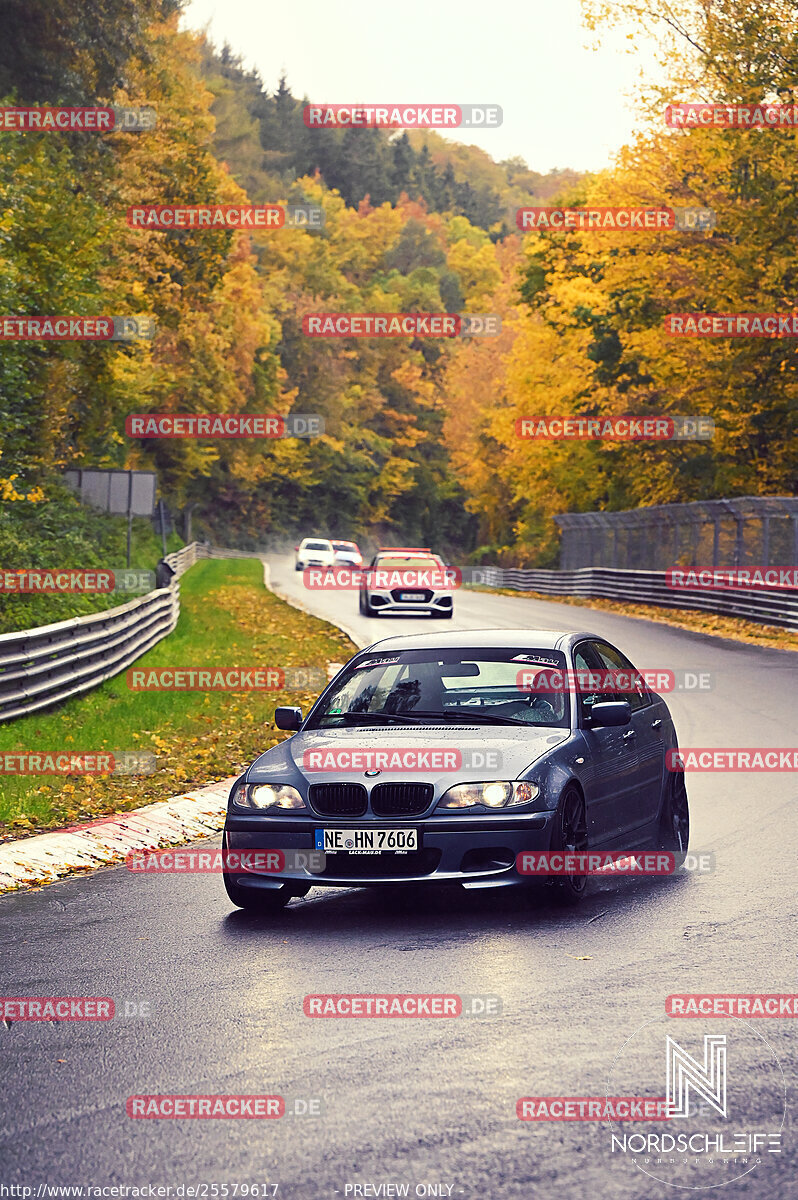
613 660
586 662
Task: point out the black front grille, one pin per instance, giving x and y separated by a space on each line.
338 799
420 595
401 799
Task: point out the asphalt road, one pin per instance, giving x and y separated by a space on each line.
430 1103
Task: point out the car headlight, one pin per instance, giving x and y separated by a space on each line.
496 794
268 795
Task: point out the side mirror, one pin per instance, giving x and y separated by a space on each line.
296 547
287 717
609 713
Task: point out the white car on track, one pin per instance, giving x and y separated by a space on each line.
314 552
347 554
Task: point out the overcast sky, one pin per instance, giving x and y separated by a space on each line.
564 105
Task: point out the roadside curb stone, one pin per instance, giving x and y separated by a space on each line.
47 857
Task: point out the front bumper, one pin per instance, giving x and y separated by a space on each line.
387 602
478 851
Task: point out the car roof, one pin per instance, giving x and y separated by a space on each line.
541 639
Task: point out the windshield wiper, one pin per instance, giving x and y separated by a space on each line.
477 715
372 718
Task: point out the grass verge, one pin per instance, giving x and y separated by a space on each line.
227 619
773 637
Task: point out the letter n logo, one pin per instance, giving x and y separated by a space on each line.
707 1080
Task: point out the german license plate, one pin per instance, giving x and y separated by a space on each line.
411 595
366 841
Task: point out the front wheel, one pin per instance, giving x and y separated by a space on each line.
365 608
255 900
570 834
674 825
260 900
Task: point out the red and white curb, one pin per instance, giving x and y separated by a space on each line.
50 856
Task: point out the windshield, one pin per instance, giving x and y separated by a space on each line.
345 546
480 686
401 561
317 546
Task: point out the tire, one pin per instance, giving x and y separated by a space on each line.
261 900
365 608
569 833
266 901
674 824
298 566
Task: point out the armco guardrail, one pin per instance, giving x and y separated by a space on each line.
40 667
44 666
181 560
772 606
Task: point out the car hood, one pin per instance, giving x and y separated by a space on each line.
487 752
